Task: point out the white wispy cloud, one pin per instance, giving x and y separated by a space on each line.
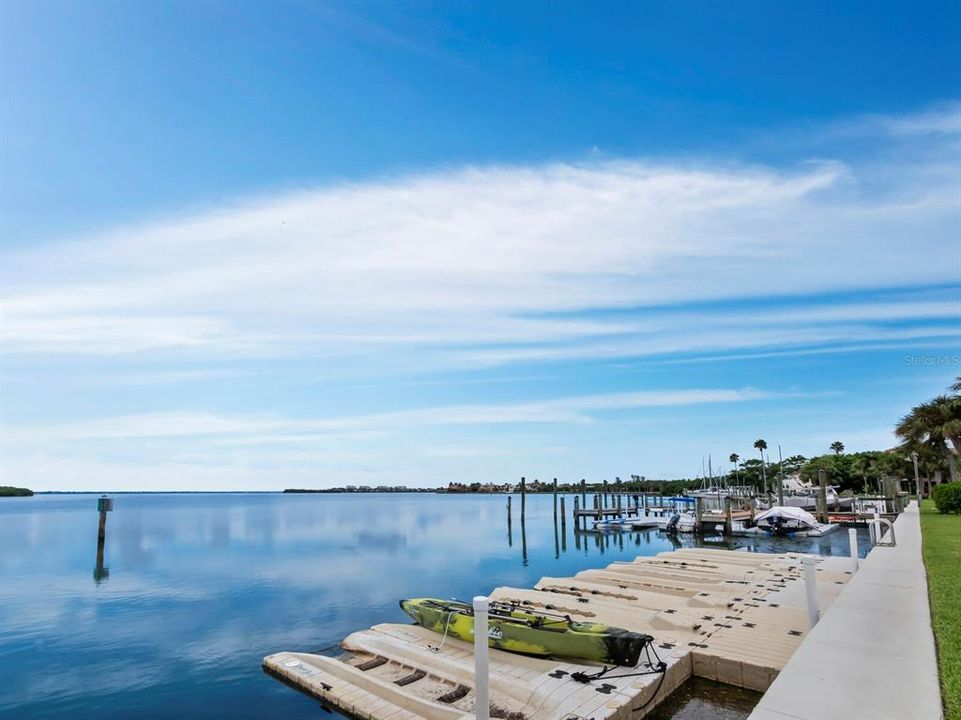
258 429
195 450
432 274
493 255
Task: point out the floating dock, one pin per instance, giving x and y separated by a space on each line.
731 616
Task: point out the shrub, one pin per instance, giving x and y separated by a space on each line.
947 497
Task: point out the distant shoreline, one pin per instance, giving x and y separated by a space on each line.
10 491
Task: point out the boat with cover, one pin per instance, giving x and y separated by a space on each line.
782 520
519 629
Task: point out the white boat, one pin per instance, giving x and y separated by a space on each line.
626 523
783 520
614 523
677 522
802 494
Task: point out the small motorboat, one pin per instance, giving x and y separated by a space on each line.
677 522
519 629
615 523
784 520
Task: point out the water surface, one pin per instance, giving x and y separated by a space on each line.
197 588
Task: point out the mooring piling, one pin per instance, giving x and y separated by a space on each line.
555 501
104 505
822 496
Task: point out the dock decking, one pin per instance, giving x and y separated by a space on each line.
730 616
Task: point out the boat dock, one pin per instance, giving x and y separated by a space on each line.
731 616
873 654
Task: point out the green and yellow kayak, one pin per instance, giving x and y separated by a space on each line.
522 630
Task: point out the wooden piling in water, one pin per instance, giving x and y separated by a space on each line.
104 505
557 544
102 527
822 497
523 541
523 497
727 517
555 501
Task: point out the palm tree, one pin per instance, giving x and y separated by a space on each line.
734 458
935 424
838 447
761 447
956 385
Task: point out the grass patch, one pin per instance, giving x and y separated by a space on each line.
941 543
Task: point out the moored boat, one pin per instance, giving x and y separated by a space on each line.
518 629
783 520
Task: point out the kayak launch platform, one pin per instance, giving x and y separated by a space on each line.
731 616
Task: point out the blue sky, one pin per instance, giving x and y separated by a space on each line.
260 245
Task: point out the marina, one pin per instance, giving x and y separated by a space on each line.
729 616
189 592
724 615
393 360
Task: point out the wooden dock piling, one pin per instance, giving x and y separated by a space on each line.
104 505
555 501
822 501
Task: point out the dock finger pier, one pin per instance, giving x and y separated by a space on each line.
731 616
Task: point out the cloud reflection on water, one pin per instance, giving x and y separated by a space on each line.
203 586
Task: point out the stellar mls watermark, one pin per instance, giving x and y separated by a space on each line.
932 360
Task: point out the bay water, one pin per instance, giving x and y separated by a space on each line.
195 589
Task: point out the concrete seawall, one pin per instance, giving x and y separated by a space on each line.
872 654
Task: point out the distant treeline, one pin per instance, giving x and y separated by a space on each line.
8 491
849 471
361 489
663 487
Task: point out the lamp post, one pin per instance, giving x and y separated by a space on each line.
917 482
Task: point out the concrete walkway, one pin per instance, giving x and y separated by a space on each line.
872 654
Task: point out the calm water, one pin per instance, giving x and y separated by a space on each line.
201 587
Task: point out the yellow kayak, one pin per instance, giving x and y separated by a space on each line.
521 630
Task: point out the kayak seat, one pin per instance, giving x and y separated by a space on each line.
412 678
454 695
371 664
